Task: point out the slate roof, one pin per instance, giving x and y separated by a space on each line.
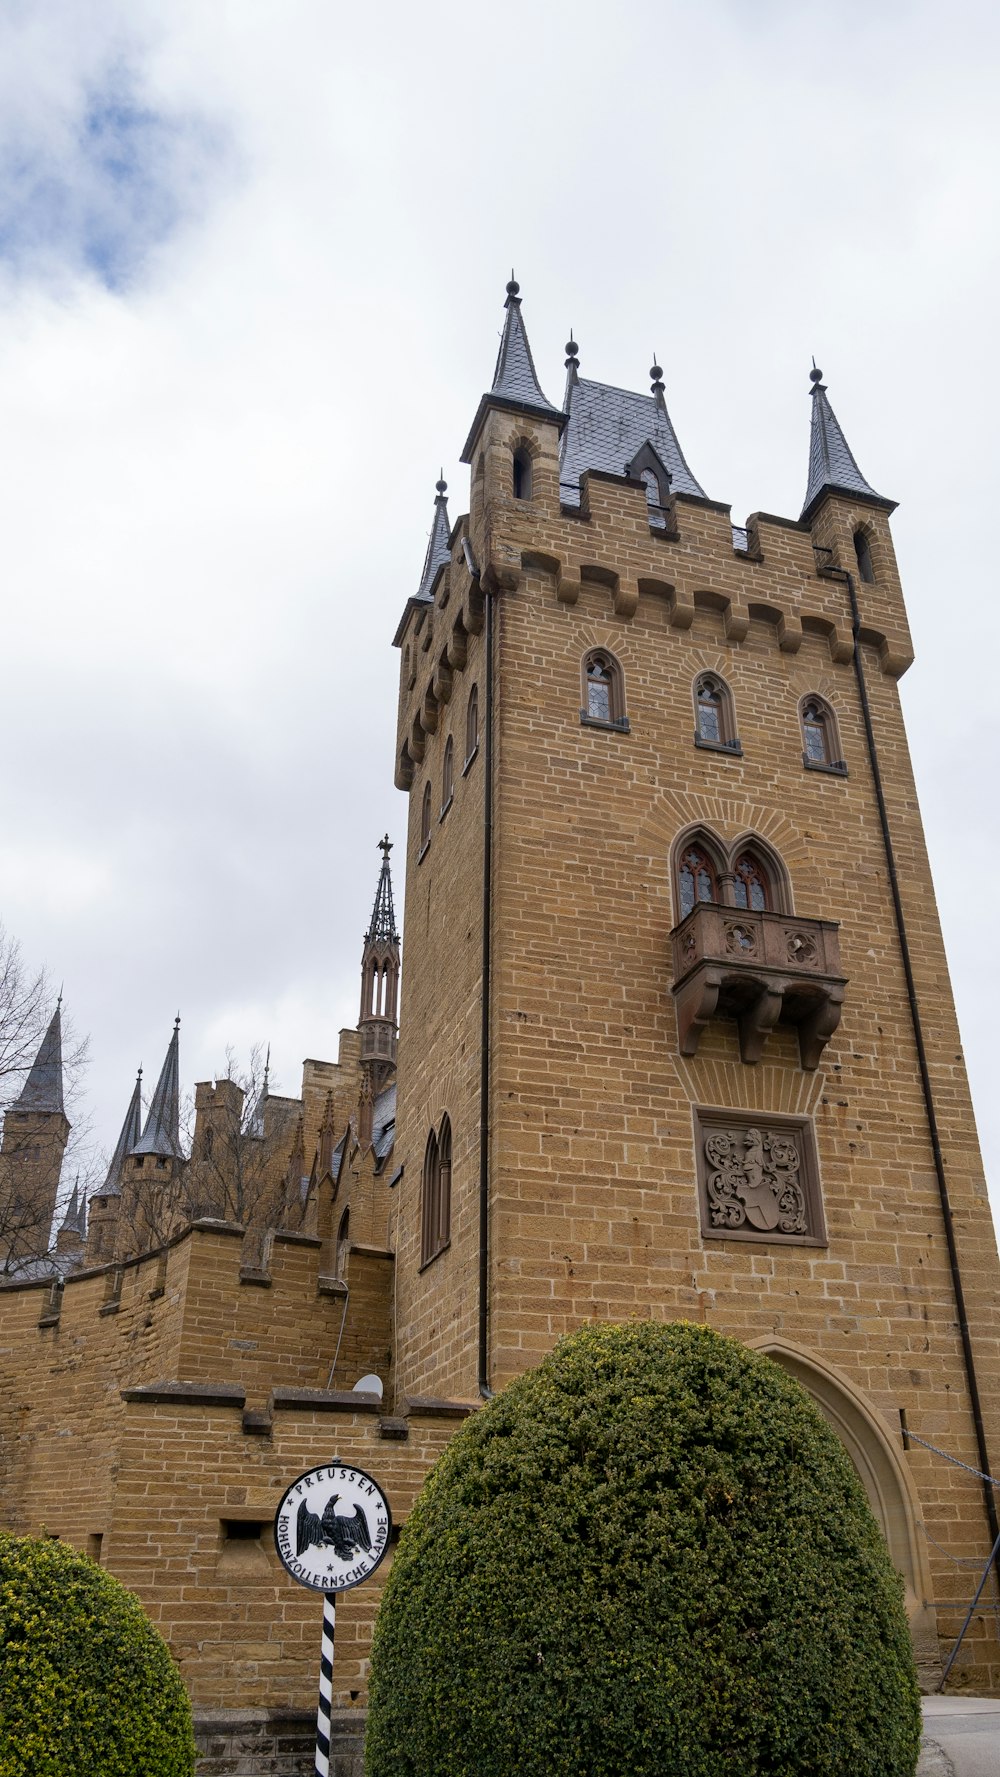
606 427
515 377
43 1089
384 1123
161 1134
831 460
438 548
127 1139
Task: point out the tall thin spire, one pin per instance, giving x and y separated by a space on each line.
438 543
515 378
832 468
43 1089
161 1134
75 1219
382 925
127 1140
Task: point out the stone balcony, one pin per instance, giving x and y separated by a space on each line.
757 968
378 1039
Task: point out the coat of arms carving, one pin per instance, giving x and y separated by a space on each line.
752 1180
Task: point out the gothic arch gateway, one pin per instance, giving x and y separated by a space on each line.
885 1478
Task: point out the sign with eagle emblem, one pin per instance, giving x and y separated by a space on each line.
332 1527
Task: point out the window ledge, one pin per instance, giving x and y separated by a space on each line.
732 747
619 727
833 767
471 760
435 1255
424 849
444 810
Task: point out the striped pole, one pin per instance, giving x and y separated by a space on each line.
325 1686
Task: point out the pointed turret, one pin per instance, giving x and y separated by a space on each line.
43 1089
380 982
75 1219
161 1133
438 544
127 1141
515 381
832 468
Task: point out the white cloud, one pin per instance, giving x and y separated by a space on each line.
217 475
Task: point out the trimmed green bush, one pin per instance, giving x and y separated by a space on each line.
87 1685
650 1557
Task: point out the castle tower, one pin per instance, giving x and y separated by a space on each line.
35 1132
677 1035
377 1024
105 1204
149 1172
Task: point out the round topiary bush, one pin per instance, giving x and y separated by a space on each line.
648 1556
87 1685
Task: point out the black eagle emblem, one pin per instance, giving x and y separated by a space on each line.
343 1534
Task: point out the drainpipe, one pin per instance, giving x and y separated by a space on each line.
485 1390
925 1078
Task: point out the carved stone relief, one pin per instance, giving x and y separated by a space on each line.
757 1179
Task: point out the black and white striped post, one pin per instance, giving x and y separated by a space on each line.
325 1710
331 1530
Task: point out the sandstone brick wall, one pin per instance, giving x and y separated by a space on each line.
594 1209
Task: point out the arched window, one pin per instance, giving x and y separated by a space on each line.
435 1213
472 726
820 743
603 690
425 819
864 555
751 884
696 878
447 775
715 716
522 473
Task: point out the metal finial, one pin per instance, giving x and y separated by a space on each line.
656 373
385 847
441 484
177 1022
138 1076
513 287
572 361
815 375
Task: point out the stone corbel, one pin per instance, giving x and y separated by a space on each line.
418 740
841 646
681 612
757 1023
735 622
625 598
458 645
441 683
568 583
696 1003
789 633
818 1027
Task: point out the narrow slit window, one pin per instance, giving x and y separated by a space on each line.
448 775
425 818
472 725
864 557
435 1218
522 474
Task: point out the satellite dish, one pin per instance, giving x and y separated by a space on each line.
368 1385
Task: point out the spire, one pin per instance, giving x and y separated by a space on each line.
161 1134
514 378
75 1219
43 1089
515 382
382 925
832 467
572 369
438 543
127 1140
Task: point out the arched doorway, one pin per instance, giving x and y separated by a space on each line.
886 1480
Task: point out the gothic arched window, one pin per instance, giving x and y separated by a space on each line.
715 716
522 473
603 690
343 1243
752 884
472 726
425 819
820 741
435 1209
448 775
697 879
863 552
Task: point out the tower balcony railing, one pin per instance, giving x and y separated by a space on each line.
759 969
378 1039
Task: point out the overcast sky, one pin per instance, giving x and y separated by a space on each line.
252 267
